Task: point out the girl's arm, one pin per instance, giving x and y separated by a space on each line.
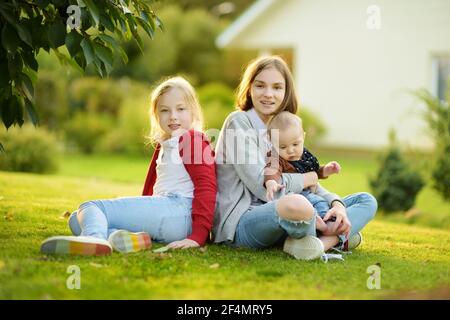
198 159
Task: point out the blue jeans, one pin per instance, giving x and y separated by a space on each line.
320 205
166 219
261 227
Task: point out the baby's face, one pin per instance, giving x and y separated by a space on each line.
291 141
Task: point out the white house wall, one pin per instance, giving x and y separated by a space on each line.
356 79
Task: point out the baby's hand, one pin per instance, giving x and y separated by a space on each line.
331 168
271 187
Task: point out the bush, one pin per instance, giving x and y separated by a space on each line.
313 126
85 130
29 149
441 173
131 128
437 116
396 185
217 101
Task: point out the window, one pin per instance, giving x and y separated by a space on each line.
441 77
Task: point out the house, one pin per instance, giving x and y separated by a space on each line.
355 62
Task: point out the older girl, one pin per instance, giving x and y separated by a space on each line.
243 215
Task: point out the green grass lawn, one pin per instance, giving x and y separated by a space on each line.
414 260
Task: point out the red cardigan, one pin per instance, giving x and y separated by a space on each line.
199 163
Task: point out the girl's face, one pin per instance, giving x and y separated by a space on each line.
174 115
267 92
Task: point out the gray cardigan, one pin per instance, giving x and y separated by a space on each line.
240 161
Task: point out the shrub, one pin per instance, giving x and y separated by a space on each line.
313 126
29 149
131 128
217 101
85 130
396 185
441 173
437 116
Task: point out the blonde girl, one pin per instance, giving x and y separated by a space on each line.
178 199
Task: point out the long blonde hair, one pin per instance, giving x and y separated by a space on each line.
190 97
243 99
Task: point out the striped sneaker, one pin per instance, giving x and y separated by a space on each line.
306 248
85 246
125 241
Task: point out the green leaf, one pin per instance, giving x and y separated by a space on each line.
107 22
31 112
43 3
159 23
93 11
87 50
98 66
146 27
10 40
19 112
57 34
30 60
2 150
15 66
8 111
105 55
73 40
110 40
4 76
24 34
27 86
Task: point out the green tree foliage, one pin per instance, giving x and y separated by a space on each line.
186 47
396 185
437 116
86 28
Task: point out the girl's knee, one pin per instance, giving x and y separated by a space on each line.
295 207
372 205
87 204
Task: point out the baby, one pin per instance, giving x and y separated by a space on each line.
289 155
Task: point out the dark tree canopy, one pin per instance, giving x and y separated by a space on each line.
89 29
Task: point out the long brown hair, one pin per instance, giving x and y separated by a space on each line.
243 99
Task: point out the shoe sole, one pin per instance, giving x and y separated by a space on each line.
307 248
74 247
126 242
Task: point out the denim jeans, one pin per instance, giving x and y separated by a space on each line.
261 227
320 205
166 218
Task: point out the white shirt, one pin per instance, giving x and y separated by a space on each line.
171 175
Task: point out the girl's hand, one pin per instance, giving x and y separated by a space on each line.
320 225
341 225
271 187
183 244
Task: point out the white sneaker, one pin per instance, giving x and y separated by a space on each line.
86 246
306 248
125 241
355 241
